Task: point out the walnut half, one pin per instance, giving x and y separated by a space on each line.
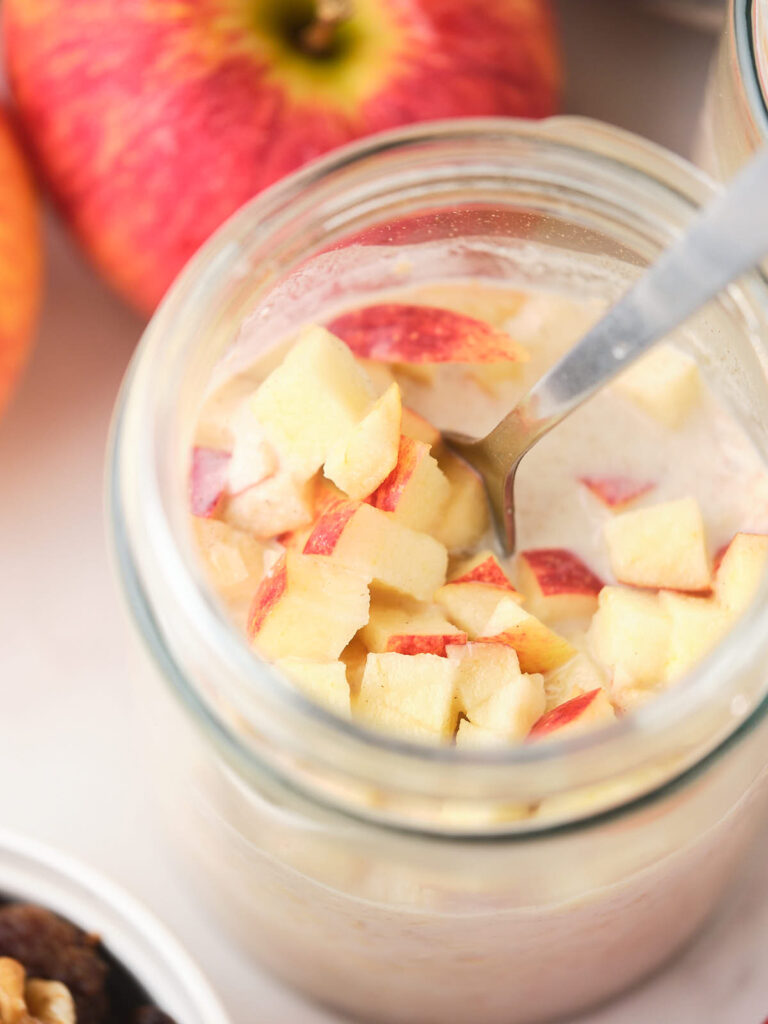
34 1001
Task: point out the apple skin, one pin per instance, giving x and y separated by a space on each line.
153 122
615 492
329 527
489 572
425 643
396 332
271 589
564 714
21 260
208 480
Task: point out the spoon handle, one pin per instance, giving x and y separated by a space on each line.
727 238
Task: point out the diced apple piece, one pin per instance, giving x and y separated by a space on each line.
316 395
307 607
556 583
388 719
361 460
579 675
482 669
697 624
208 481
539 649
741 571
616 492
368 541
234 560
324 682
419 429
475 589
254 459
409 627
473 737
662 546
585 711
380 374
483 567
400 333
277 505
513 709
630 635
416 491
419 688
465 518
354 656
665 384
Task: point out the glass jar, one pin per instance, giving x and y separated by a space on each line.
735 117
394 882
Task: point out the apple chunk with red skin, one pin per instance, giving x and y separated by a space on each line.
208 481
557 584
359 462
471 596
368 541
539 649
416 491
307 607
417 335
408 627
412 695
465 518
584 711
616 492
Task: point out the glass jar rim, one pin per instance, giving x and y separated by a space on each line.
744 16
342 743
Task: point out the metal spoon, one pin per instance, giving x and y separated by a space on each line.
727 238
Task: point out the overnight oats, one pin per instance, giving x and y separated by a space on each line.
419 780
355 551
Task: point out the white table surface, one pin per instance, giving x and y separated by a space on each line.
70 751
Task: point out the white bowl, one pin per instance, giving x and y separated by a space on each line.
33 873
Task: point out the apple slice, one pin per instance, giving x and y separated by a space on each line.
665 384
741 570
585 711
361 460
630 635
579 675
314 398
408 627
307 607
273 507
470 597
415 492
416 427
616 492
661 546
234 560
539 649
513 709
325 682
368 541
556 583
416 688
399 333
483 567
697 624
208 481
465 518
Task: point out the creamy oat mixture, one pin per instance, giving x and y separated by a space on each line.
355 549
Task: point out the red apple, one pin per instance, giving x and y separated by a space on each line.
615 492
154 121
398 333
208 480
557 584
409 643
20 260
416 491
483 568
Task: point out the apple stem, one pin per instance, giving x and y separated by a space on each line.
318 36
